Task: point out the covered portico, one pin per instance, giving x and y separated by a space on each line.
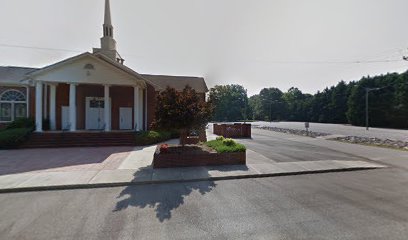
89 92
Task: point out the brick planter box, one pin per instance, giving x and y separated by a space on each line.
192 140
236 130
186 159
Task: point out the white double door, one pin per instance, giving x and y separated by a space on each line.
125 118
95 113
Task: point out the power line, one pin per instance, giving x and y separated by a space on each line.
38 48
278 62
339 62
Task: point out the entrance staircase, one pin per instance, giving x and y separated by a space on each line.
79 139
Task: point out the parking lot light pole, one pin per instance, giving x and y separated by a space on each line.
270 108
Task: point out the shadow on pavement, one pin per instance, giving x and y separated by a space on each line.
164 198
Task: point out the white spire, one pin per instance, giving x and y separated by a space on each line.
108 43
107 20
107 23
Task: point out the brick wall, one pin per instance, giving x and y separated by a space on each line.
151 104
121 97
233 130
168 160
62 99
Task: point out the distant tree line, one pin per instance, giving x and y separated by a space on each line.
343 103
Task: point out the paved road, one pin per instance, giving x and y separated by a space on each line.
286 148
353 205
342 130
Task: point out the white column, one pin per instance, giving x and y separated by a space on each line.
45 101
136 112
28 101
145 104
140 110
53 106
107 109
72 107
38 106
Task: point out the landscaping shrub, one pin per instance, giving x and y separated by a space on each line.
174 133
152 137
228 142
11 138
220 138
226 145
22 123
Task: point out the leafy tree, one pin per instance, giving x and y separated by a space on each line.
272 104
400 110
356 103
343 103
294 98
255 107
230 102
181 110
338 103
382 102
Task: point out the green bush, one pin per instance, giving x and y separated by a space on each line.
152 137
10 138
221 146
175 133
228 142
22 123
220 138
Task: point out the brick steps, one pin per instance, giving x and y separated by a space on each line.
91 139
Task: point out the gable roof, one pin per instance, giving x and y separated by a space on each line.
178 82
14 75
98 57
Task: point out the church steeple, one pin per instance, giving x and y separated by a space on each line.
108 43
107 23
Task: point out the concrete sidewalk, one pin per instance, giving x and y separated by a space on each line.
136 169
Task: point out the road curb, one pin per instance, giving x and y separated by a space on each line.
124 184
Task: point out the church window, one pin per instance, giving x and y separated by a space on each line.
89 67
13 105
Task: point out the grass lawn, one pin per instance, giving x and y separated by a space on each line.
222 145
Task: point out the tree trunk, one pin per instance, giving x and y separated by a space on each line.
183 137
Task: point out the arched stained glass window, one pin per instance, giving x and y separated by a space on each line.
13 96
13 105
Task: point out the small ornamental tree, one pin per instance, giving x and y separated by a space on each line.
182 111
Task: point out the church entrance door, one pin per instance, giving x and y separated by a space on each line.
95 113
